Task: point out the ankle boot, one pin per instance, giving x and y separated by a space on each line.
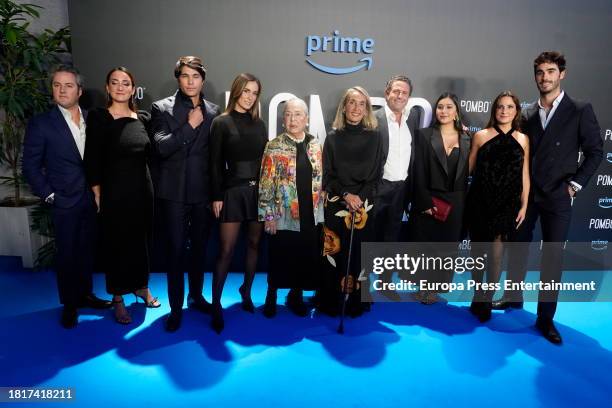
295 303
269 309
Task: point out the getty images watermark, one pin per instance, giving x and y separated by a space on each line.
456 271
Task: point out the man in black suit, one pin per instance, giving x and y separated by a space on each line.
180 126
397 126
53 151
558 127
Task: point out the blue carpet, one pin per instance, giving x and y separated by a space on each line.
398 355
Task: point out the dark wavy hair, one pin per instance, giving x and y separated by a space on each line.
551 57
516 122
191 62
458 123
109 101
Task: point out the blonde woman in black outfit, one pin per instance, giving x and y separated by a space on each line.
351 170
237 141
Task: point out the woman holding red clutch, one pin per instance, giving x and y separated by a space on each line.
440 181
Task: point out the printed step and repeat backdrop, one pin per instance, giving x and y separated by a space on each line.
315 49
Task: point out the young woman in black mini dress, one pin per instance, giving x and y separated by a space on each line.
497 201
237 141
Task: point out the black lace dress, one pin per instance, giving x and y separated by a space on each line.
494 198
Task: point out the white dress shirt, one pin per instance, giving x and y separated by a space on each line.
400 142
545 117
78 132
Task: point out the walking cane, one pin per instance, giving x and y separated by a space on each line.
345 291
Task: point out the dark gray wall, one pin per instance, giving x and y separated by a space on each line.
475 48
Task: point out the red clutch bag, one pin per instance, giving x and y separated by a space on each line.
444 208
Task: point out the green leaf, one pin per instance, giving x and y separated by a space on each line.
25 60
11 35
31 9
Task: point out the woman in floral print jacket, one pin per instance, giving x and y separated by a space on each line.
291 205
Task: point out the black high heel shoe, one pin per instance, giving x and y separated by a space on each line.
482 311
152 304
217 322
247 303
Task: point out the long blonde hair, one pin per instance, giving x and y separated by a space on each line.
369 120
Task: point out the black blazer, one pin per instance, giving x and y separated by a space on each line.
414 122
51 160
554 151
431 173
182 152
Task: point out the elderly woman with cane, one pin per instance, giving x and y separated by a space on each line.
291 205
352 158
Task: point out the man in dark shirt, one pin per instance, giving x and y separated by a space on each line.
180 126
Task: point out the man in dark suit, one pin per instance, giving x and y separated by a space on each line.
180 126
558 127
53 166
397 126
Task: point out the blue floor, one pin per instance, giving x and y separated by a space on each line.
398 355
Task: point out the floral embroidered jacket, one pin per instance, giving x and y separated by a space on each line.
277 184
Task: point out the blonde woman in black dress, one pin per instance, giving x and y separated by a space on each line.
352 157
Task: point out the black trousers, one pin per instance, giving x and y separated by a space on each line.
185 223
555 216
390 204
75 231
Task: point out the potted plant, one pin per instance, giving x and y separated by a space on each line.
25 59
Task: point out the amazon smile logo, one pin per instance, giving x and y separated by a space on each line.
599 245
340 45
605 202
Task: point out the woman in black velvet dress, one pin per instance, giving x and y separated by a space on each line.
352 157
497 201
116 156
237 141
440 172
